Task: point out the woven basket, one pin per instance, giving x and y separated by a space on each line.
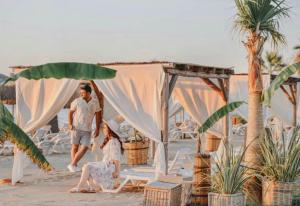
215 199
136 152
277 193
162 194
212 143
201 180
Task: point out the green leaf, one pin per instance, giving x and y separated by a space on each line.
5 113
278 81
71 70
223 111
11 132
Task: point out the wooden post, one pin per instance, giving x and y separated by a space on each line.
165 117
293 89
100 98
292 96
226 119
152 149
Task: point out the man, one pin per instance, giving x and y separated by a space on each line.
81 115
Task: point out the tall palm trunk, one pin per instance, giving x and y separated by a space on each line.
255 111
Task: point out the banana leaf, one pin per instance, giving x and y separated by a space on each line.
11 132
223 111
5 113
71 70
278 81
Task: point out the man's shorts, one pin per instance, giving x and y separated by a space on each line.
79 137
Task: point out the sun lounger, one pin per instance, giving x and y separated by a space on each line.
182 160
131 176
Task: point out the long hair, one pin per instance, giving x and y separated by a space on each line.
114 135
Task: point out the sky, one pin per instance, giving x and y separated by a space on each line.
34 32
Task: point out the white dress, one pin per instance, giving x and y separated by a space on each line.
101 172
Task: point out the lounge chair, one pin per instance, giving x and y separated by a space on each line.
147 174
131 176
182 160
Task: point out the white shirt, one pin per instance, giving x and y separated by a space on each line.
84 113
112 150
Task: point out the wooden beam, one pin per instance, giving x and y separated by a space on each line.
214 87
184 73
293 95
287 94
172 84
222 87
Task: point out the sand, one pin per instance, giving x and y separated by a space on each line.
43 189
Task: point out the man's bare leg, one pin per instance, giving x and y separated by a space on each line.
74 151
79 155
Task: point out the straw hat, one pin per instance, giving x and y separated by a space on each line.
113 125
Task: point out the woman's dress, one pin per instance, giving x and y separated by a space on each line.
101 172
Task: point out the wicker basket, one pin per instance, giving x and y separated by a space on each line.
277 193
201 180
162 194
136 152
215 199
212 143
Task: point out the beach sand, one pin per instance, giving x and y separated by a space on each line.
43 189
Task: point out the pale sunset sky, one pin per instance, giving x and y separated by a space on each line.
35 32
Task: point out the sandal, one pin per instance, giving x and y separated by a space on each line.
76 190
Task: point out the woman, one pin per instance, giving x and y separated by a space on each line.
102 173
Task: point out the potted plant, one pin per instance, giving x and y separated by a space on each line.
280 167
136 148
228 179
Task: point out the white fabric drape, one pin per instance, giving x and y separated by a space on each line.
37 103
135 93
199 101
239 92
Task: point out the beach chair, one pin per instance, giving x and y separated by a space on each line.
182 160
41 133
147 174
131 176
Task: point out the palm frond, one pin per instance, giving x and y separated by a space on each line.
11 132
71 70
223 111
278 81
261 17
5 113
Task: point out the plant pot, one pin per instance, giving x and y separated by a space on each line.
216 199
277 193
212 143
136 152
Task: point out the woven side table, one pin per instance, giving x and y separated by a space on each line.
162 194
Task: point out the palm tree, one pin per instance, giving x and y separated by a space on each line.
274 61
259 19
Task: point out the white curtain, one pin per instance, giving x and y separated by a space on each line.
135 93
38 101
199 101
239 92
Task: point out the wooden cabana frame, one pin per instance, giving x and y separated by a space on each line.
290 93
289 88
205 73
